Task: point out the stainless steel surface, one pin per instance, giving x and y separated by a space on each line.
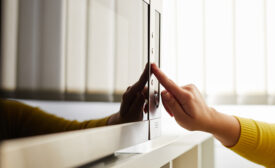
71 149
155 128
154 57
76 148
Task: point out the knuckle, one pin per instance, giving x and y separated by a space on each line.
163 93
124 97
190 87
126 93
189 96
191 128
129 87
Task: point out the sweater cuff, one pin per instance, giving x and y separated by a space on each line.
248 135
99 122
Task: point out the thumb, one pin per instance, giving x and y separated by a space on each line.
174 107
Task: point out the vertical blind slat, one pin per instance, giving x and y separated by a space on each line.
219 51
101 47
270 23
190 43
122 47
169 39
9 14
135 53
128 43
250 51
29 45
52 55
76 46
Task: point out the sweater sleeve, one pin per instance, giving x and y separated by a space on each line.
256 142
20 120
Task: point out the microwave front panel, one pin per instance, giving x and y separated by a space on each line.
154 57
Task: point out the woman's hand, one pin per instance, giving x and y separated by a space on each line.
133 100
186 104
188 107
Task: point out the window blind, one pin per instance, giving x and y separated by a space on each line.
225 47
72 49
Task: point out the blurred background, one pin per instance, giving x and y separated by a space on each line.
226 48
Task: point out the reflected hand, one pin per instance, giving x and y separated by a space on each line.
133 100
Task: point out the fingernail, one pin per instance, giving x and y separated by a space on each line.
166 95
164 92
170 113
153 66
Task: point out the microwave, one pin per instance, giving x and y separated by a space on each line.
82 53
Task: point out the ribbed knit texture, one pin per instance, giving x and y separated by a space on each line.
256 142
20 120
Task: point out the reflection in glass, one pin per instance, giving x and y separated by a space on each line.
92 50
117 49
20 120
78 50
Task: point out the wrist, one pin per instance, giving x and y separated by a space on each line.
226 129
214 124
114 119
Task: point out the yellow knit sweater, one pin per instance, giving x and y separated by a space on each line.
20 120
256 142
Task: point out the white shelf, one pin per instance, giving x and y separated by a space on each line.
194 150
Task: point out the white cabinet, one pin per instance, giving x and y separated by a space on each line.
194 150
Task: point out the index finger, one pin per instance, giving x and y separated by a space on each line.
169 85
140 84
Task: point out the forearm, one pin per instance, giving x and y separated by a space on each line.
225 128
20 120
256 142
251 139
114 119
